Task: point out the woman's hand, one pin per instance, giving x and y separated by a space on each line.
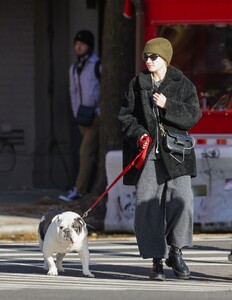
160 100
143 142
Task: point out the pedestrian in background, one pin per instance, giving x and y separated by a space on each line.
84 87
158 99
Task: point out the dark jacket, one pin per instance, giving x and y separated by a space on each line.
137 118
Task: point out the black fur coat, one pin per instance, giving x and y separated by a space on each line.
137 118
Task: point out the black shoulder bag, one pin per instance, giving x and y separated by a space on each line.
85 115
173 142
176 143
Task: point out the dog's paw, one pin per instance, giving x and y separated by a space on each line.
230 256
89 275
61 269
52 272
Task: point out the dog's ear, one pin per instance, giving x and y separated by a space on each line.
78 224
57 218
80 220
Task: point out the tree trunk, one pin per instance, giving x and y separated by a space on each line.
118 61
118 68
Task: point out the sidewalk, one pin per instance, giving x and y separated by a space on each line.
20 211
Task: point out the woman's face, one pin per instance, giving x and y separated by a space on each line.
154 62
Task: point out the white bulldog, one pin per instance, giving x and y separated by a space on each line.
61 233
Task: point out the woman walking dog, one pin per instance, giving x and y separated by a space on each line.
160 103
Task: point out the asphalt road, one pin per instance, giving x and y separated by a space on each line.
119 273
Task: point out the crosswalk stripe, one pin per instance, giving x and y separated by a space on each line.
47 282
103 252
123 253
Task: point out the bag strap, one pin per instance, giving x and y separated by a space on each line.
75 71
155 110
163 131
97 69
80 89
185 148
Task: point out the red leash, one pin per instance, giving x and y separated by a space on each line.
137 162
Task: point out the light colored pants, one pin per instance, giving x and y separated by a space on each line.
88 155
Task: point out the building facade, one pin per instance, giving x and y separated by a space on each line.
36 50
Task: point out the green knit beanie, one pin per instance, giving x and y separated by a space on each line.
160 46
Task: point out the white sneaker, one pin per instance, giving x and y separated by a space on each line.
73 194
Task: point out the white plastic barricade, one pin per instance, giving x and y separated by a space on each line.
212 191
213 187
121 199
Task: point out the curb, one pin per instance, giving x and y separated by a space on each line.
18 229
10 225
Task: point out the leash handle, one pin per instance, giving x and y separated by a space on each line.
137 162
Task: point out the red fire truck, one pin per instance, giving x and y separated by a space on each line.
201 35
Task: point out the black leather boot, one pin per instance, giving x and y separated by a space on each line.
176 262
157 272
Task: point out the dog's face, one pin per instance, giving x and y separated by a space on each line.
70 226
